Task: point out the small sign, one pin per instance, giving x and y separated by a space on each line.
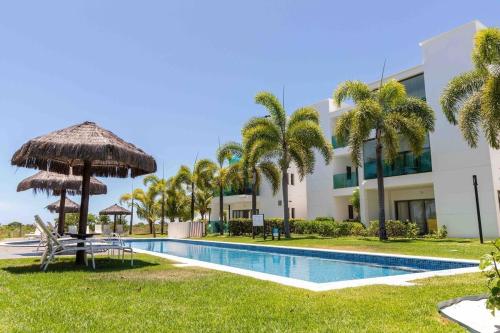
258 220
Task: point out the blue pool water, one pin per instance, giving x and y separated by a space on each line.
308 265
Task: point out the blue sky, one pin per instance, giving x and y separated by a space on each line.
174 76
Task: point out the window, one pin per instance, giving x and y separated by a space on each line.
416 211
348 172
242 213
292 180
280 202
293 213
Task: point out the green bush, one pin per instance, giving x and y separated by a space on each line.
395 229
442 232
324 218
488 264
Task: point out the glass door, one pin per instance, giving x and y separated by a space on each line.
417 213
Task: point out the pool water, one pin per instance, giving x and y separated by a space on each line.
296 265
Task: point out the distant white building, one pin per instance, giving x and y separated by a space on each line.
437 186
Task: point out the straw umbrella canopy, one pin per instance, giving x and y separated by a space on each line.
58 184
69 206
115 210
88 150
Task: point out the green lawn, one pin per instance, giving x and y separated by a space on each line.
451 247
156 296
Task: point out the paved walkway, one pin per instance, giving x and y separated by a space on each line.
16 252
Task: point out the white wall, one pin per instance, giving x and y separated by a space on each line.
453 162
320 183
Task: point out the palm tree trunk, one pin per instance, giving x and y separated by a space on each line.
162 212
192 202
62 213
254 191
284 184
153 228
150 227
131 217
381 193
221 209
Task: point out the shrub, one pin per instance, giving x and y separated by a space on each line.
442 232
324 218
488 264
395 229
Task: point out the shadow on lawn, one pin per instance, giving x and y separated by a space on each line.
68 265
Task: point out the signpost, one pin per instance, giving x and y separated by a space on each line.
258 221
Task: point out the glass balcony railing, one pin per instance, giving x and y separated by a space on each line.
235 191
343 180
336 144
406 163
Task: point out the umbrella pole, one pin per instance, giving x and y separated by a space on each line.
84 210
114 224
62 213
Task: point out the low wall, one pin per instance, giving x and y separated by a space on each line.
180 230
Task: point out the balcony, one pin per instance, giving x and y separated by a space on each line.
406 163
235 191
343 180
336 144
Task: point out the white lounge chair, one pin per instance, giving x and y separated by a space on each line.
106 230
98 229
119 229
65 246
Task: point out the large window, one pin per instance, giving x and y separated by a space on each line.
415 86
416 211
242 213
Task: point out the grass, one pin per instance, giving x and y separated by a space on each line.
156 296
450 247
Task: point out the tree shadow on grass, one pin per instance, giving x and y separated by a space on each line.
68 265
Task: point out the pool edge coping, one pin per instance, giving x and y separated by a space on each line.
395 280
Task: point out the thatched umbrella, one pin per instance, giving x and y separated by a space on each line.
115 210
88 150
58 184
68 206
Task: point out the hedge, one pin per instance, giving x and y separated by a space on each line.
327 228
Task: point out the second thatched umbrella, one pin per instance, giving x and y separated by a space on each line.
68 206
58 184
115 210
88 150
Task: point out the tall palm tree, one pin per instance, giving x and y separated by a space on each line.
472 99
203 200
391 114
286 140
160 186
146 204
200 176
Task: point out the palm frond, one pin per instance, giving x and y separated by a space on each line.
273 106
356 90
391 93
415 107
458 91
271 173
469 119
303 114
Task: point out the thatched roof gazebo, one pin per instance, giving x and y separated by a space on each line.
115 210
88 150
69 206
58 184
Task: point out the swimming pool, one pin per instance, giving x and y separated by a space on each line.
312 267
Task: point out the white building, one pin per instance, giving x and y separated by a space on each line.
435 186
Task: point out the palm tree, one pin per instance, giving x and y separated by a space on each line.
147 207
177 200
286 140
225 173
161 187
198 177
391 114
472 99
203 200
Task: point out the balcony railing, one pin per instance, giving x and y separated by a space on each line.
235 191
343 180
406 163
336 144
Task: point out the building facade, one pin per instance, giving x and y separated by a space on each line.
432 189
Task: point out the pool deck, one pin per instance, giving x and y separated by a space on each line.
16 251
